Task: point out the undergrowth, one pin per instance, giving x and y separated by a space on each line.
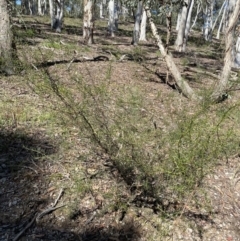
158 163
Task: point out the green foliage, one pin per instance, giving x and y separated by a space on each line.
162 163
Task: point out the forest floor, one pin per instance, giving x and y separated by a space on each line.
46 160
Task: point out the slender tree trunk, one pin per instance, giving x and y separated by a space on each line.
58 21
136 31
40 8
188 24
101 10
221 23
169 27
111 21
221 88
51 12
181 31
219 14
182 84
179 19
198 11
143 27
6 51
88 22
237 52
207 29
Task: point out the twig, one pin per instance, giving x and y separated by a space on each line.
59 195
27 227
34 66
51 208
31 169
48 210
91 218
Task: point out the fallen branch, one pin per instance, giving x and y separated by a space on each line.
23 231
38 216
182 84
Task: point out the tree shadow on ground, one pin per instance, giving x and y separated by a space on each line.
19 149
22 176
128 231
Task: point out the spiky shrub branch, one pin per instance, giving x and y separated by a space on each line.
153 162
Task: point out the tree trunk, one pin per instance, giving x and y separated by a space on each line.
182 84
136 31
88 22
51 12
6 51
188 24
143 27
41 7
219 14
111 21
101 10
208 21
221 88
181 31
58 18
169 27
221 23
179 19
198 11
237 52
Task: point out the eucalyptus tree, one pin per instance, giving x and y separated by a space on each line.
138 15
6 38
142 36
198 10
229 59
223 7
88 22
56 9
42 7
184 26
113 17
221 23
208 19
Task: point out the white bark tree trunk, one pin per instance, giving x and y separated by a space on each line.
219 14
143 27
101 10
181 31
182 84
179 19
136 31
188 25
88 22
58 21
51 12
207 29
237 53
221 23
198 11
6 64
233 16
111 21
41 7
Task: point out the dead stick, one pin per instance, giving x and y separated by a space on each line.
27 227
